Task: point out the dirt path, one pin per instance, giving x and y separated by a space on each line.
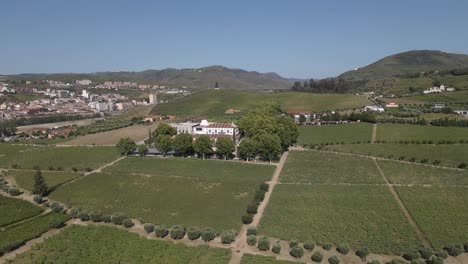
91 172
377 158
407 214
240 245
374 133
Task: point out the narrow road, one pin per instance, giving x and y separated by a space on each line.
407 214
374 133
240 245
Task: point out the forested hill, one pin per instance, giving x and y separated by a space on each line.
408 63
206 77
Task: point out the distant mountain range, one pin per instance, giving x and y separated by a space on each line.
410 62
205 77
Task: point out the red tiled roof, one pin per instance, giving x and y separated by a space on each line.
221 125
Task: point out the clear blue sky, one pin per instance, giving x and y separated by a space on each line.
295 38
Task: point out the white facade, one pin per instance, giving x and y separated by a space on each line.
153 98
184 127
374 108
207 128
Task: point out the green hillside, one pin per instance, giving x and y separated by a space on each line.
215 102
410 62
193 78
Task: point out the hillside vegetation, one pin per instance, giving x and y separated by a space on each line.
409 62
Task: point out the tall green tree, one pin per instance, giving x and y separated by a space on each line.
125 145
164 129
203 146
247 149
183 144
269 146
163 143
142 150
7 128
225 147
40 187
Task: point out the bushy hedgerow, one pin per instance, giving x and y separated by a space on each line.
363 253
227 237
263 244
297 252
317 257
10 247
127 223
333 260
436 260
293 243
264 187
252 208
56 207
343 248
14 191
208 234
177 232
37 198
251 240
441 254
462 165
373 262
161 231
149 228
95 216
276 248
83 215
426 253
454 250
252 230
411 255
74 212
259 195
327 246
55 223
247 218
117 218
465 247
193 233
309 245
106 218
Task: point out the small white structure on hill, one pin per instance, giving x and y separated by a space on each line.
374 108
439 89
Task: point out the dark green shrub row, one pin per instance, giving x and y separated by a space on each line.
253 206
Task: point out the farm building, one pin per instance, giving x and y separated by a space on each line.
208 128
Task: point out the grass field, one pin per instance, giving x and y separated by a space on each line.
320 167
79 244
442 213
136 132
397 132
64 157
25 179
448 154
171 191
215 102
256 259
358 215
14 210
348 133
399 173
29 229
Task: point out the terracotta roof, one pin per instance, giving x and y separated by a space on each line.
221 125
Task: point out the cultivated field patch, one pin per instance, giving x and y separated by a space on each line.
358 215
80 244
25 179
442 213
14 210
346 133
447 154
257 259
322 167
29 229
65 158
192 194
398 132
400 173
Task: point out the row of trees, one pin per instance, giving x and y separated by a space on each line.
329 85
